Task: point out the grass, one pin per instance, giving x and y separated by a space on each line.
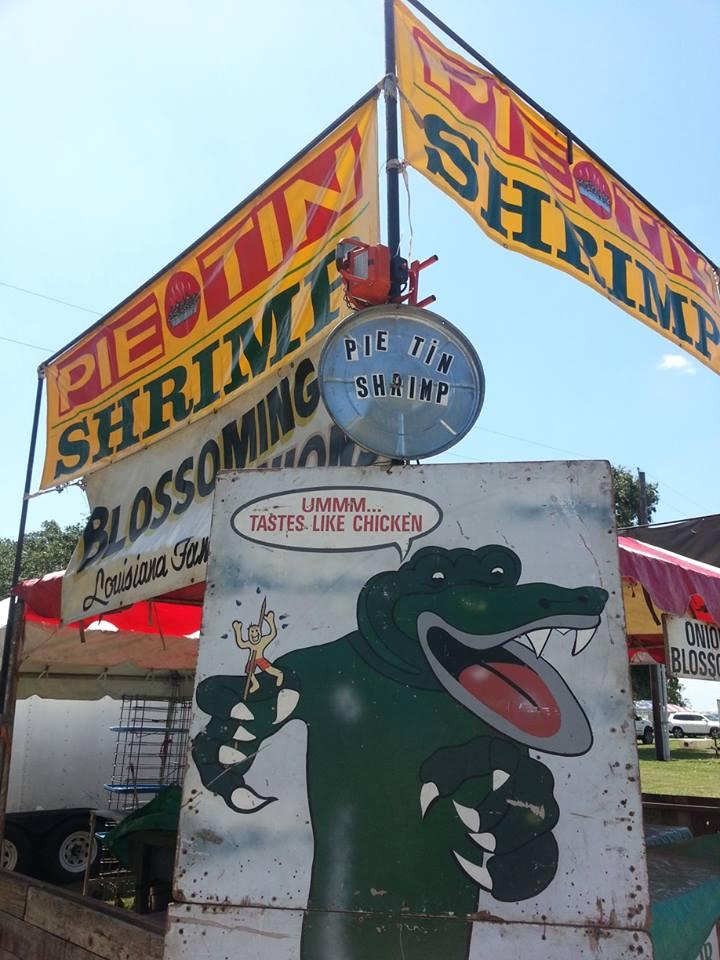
689 773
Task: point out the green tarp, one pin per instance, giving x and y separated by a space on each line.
162 813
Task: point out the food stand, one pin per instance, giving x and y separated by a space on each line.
236 327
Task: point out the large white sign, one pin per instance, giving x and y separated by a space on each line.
692 648
409 733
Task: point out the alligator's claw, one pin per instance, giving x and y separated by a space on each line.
225 750
502 811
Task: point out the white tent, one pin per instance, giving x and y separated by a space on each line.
103 658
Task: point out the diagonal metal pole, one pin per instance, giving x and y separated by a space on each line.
13 628
10 630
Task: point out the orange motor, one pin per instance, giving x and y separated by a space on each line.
365 270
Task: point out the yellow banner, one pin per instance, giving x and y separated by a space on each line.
230 311
530 190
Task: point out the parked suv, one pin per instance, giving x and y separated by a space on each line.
643 729
691 725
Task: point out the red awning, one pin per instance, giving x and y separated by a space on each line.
174 614
671 580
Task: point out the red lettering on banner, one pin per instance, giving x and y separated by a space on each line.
298 213
122 347
490 106
689 263
635 222
481 98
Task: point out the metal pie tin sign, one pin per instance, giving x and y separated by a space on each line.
400 381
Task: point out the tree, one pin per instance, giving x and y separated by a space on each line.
46 549
640 679
627 497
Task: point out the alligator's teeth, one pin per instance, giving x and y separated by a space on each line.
499 778
242 733
582 639
470 817
246 800
286 702
241 712
428 793
563 630
485 840
228 755
538 639
480 875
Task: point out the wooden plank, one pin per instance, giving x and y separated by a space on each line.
103 933
20 941
13 894
77 953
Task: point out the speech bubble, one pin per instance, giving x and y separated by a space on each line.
342 519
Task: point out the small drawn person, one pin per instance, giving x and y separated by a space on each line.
256 642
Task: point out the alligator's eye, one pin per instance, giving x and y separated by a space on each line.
438 575
497 572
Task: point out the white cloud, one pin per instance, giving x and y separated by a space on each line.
676 361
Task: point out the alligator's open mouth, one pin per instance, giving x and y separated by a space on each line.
505 679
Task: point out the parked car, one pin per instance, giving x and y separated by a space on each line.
691 725
643 729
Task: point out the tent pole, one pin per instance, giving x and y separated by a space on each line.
14 627
7 719
658 693
10 632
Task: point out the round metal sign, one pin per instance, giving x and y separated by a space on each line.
400 381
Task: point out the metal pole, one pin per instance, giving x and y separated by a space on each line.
658 692
10 632
642 499
391 154
13 628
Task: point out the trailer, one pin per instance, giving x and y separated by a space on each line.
51 793
66 731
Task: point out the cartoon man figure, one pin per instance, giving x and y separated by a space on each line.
256 643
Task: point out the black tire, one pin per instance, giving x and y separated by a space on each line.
17 853
647 736
714 731
677 732
64 851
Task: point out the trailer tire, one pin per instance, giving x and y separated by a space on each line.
16 850
647 736
65 851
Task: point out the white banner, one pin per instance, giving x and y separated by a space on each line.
150 521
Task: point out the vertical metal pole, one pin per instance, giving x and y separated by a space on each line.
658 692
391 153
642 499
10 632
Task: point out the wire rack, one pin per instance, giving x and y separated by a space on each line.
150 750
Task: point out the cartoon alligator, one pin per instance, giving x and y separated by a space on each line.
422 791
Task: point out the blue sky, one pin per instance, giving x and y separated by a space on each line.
129 129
